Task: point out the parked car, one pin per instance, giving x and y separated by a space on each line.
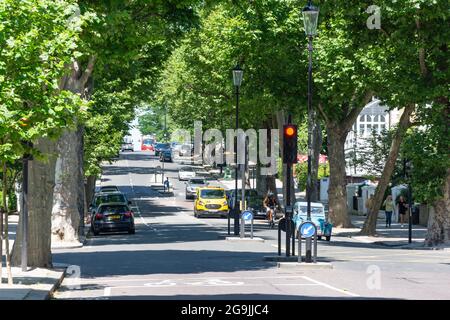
109 189
165 155
127 146
113 217
186 150
186 173
254 202
318 217
160 147
211 201
200 172
192 185
106 197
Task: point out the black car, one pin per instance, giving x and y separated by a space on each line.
113 217
165 155
159 147
107 197
109 189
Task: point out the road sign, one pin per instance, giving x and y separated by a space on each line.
307 229
247 215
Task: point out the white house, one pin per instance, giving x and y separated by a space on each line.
374 116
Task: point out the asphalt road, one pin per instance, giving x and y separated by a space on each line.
174 255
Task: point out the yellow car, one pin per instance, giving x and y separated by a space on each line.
211 201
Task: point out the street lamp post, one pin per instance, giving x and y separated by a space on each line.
24 207
237 79
310 16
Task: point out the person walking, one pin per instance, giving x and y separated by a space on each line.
402 209
388 208
166 184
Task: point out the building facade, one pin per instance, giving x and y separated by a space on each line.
374 118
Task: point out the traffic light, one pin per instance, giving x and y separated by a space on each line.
290 143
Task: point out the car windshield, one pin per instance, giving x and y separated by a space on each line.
109 188
197 181
212 193
162 145
189 169
113 209
314 210
110 198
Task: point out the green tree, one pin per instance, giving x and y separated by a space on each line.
427 147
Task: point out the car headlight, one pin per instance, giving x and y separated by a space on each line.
201 203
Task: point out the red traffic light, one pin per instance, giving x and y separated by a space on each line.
290 131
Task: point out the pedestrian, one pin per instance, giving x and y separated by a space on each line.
166 184
388 208
402 208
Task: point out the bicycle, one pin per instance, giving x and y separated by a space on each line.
271 216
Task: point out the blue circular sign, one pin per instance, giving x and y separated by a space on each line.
247 215
307 229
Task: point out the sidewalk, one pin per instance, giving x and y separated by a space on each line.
35 284
396 236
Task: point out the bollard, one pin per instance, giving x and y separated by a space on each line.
279 239
293 241
299 248
315 247
251 229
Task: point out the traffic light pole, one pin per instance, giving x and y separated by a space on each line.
287 211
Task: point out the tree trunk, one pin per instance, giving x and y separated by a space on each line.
5 193
337 192
438 232
370 225
41 181
68 204
316 145
69 194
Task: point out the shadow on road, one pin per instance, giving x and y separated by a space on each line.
148 262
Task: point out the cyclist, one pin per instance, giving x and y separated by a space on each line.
269 203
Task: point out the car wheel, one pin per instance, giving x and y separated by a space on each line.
319 237
95 232
132 231
328 238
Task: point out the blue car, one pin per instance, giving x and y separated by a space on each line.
318 217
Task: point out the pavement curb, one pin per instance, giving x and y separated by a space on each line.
56 285
236 239
304 265
35 295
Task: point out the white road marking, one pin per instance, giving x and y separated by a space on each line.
164 283
331 287
107 292
98 280
137 206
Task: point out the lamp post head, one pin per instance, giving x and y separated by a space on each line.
237 75
310 16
